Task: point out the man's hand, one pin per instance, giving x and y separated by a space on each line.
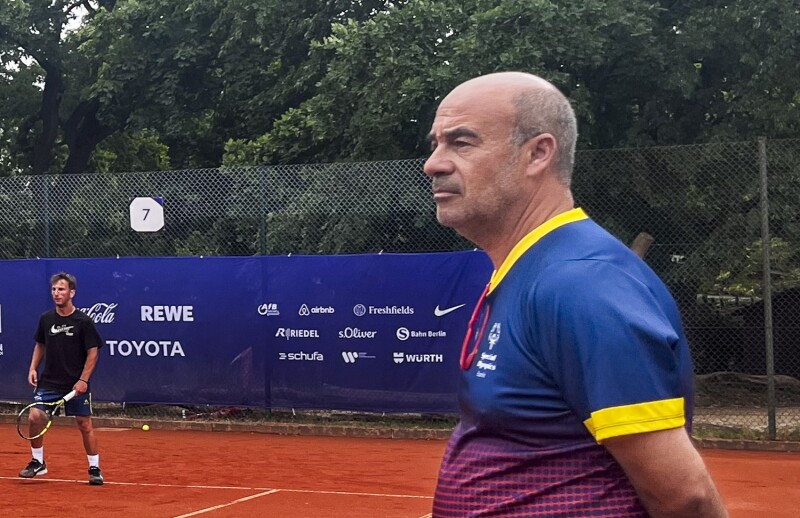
80 387
33 377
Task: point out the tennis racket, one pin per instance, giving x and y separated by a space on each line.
27 429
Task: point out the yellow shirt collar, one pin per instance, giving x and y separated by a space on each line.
530 239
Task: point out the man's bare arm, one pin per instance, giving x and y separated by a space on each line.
36 359
668 474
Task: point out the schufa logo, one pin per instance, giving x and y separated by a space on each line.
101 313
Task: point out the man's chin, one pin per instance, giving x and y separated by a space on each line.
445 220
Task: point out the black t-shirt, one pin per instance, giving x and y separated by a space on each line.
66 340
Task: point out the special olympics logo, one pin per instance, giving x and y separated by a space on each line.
359 310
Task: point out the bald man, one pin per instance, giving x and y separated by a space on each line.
576 388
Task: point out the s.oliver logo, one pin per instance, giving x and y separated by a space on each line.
354 332
145 348
101 312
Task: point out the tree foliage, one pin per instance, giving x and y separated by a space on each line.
110 86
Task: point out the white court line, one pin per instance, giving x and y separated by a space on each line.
238 500
350 493
429 515
189 486
143 484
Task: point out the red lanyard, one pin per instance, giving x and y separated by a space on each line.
467 359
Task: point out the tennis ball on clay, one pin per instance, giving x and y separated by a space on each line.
145 427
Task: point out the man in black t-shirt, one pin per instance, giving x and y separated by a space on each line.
68 342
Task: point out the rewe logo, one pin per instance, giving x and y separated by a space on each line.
167 313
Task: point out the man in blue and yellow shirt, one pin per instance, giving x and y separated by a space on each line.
576 392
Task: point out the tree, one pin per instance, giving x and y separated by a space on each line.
39 31
381 87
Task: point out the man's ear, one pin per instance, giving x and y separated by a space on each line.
540 153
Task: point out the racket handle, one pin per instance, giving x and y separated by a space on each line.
70 395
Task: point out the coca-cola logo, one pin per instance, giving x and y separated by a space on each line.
101 313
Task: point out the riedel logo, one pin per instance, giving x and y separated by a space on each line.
285 332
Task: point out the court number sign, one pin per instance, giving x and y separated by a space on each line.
147 214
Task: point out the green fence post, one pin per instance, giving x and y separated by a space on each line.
767 289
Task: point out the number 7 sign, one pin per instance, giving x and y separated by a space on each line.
147 214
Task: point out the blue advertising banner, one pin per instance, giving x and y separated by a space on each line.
378 332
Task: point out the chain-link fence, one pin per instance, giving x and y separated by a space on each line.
703 205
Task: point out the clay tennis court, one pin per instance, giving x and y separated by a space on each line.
162 473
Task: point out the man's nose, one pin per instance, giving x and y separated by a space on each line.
437 163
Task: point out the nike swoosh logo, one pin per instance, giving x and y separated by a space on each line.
442 312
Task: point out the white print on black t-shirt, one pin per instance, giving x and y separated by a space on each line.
67 330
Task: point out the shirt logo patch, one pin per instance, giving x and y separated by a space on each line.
494 335
57 330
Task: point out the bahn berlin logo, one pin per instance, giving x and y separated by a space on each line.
401 357
404 333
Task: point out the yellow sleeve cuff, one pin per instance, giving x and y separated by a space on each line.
637 418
